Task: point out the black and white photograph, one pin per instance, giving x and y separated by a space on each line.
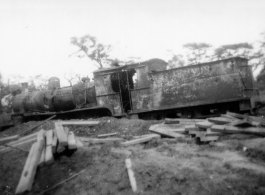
124 97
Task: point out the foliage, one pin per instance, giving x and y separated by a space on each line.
176 61
37 82
197 52
91 48
261 59
232 50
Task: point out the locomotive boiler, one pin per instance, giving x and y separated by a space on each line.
148 90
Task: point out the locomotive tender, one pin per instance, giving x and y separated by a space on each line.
149 90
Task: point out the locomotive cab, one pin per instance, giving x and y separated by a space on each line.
119 88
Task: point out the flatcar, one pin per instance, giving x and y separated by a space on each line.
148 90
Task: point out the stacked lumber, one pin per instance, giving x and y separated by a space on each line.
210 129
64 139
42 151
28 173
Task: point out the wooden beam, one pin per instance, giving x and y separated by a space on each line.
22 185
62 138
191 128
204 124
140 140
100 141
233 129
54 143
18 145
185 121
71 141
171 121
20 140
178 128
66 130
107 135
8 139
132 179
28 173
220 120
49 154
167 133
42 157
141 136
79 144
209 138
86 123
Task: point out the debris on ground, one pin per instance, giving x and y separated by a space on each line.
218 155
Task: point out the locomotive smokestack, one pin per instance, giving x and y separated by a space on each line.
53 83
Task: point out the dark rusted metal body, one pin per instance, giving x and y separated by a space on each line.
17 103
63 99
39 101
149 88
156 88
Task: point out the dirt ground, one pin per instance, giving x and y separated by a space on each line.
233 165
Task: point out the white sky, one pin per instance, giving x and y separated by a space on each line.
35 35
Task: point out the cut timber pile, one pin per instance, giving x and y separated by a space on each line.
211 129
41 152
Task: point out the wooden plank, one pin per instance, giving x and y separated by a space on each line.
62 138
22 186
260 120
100 141
27 177
140 140
171 121
42 157
107 135
204 124
49 137
236 115
132 179
54 143
42 136
191 128
220 120
229 117
18 145
233 129
186 121
141 136
209 138
36 158
169 127
86 123
66 130
79 144
242 123
49 147
8 139
71 141
167 133
49 155
205 133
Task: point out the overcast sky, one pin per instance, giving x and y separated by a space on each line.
35 35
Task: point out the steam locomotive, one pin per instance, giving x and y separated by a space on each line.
148 90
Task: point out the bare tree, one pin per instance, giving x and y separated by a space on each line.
198 52
70 78
232 50
91 48
176 61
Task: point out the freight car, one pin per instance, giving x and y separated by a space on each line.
148 90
